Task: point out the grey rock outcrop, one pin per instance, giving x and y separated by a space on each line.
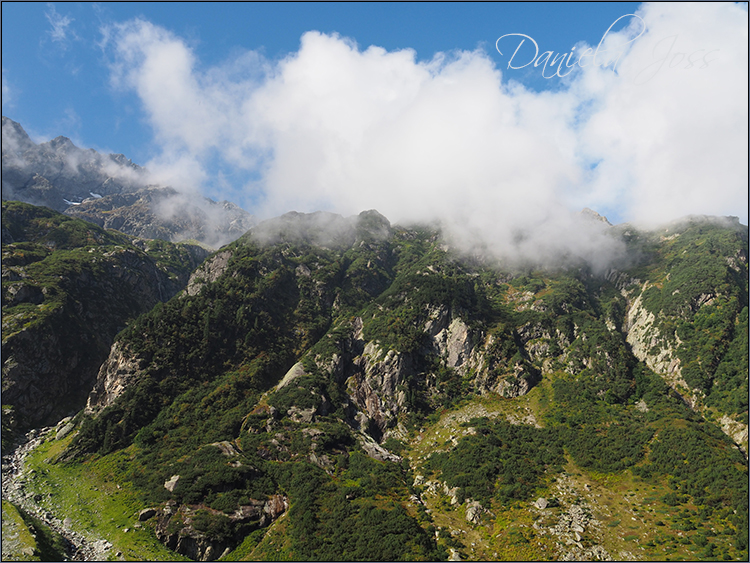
177 526
121 368
210 271
474 511
377 379
146 514
659 352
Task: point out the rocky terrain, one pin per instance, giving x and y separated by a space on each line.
76 546
163 213
111 191
343 388
68 288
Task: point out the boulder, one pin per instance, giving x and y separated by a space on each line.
171 483
474 512
541 503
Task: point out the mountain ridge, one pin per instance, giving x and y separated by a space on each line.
111 191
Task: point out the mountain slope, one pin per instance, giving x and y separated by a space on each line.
68 288
163 213
332 388
687 315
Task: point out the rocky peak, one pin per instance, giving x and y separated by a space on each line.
111 191
60 144
15 139
591 214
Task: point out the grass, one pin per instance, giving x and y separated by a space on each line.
243 551
275 544
18 543
629 510
95 497
507 536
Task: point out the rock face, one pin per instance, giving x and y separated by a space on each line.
209 272
63 304
119 370
377 379
163 213
659 351
182 528
374 385
111 191
450 338
644 338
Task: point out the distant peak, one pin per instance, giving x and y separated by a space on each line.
61 142
15 130
591 214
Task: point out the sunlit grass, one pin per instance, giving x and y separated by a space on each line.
94 495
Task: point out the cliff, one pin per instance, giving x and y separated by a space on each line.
68 288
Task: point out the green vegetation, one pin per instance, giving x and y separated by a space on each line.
501 461
205 404
348 518
68 288
702 299
425 277
53 230
27 539
98 496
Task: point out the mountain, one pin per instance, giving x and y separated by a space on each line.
111 191
343 388
163 213
56 173
68 287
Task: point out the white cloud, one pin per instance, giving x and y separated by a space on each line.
8 93
338 128
671 128
60 24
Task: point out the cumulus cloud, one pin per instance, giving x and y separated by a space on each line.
662 133
670 129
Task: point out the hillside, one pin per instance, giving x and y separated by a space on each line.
68 287
342 388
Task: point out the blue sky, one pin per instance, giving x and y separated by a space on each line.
56 72
292 106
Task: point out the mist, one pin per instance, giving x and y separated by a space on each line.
79 182
657 133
